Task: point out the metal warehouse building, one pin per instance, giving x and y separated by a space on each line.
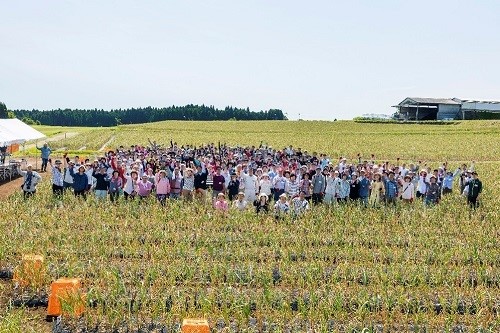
416 108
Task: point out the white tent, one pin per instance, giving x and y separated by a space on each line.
14 131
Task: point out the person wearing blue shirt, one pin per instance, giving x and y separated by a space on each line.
80 181
391 189
448 181
45 150
364 188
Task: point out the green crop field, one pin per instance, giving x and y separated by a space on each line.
338 268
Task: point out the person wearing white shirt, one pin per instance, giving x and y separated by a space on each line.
250 183
408 190
265 184
240 204
422 184
330 187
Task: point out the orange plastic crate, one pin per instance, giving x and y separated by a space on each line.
68 290
195 326
31 270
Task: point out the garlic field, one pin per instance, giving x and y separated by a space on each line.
336 269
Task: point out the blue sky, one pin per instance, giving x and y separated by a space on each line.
319 59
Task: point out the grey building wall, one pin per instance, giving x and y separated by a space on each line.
449 111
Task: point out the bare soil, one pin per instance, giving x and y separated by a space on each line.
10 187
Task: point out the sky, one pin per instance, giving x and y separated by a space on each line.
317 60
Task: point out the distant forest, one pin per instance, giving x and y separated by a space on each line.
95 117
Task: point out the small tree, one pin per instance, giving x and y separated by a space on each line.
4 113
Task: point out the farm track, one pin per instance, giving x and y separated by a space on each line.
105 145
57 137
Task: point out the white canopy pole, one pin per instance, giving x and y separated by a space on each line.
36 154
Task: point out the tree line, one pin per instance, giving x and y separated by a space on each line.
95 117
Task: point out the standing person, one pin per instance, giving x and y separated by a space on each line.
377 189
45 152
422 184
250 184
144 187
80 182
330 187
200 181
364 188
57 178
279 184
265 184
130 188
475 187
219 184
31 179
433 192
391 189
162 186
305 186
115 185
102 183
292 186
318 186
408 190
68 170
188 185
176 184
344 189
233 187
354 190
448 181
89 171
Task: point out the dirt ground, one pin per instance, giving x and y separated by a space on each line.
10 187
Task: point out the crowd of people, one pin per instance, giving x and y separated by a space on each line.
281 181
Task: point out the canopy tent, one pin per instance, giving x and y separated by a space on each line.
14 131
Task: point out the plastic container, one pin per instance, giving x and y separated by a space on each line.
195 326
31 271
68 292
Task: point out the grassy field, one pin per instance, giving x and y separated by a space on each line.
464 141
337 269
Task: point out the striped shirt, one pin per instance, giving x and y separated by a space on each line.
292 188
188 183
57 176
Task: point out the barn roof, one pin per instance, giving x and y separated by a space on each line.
430 100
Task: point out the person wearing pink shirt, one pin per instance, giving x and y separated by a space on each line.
144 187
162 186
221 204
